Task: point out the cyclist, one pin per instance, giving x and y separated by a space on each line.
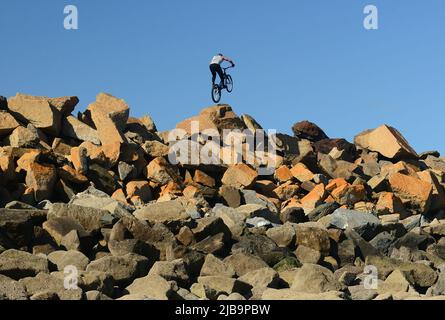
215 68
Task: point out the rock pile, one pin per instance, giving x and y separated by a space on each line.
92 207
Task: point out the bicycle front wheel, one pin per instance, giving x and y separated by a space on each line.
229 83
216 94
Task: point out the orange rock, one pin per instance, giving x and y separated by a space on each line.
112 152
160 171
59 146
301 172
156 149
335 183
363 206
91 148
37 111
119 195
239 175
7 123
216 117
191 191
110 116
139 188
387 141
41 178
69 174
283 174
438 197
286 190
204 179
399 167
7 168
314 198
171 188
415 191
349 194
26 159
79 159
389 203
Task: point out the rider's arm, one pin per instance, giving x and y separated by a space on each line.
229 60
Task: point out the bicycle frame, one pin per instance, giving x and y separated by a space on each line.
225 73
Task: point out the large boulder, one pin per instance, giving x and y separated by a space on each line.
7 123
218 118
418 274
42 179
365 224
312 236
36 110
109 115
93 198
59 227
243 263
74 128
239 175
152 286
312 278
49 285
166 212
17 264
23 137
387 141
308 130
11 289
16 226
162 172
91 219
62 259
123 269
416 192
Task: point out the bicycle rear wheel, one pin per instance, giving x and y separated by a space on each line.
229 83
216 93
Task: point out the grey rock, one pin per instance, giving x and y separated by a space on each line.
323 210
262 247
49 286
122 269
17 264
125 170
312 278
91 219
365 224
94 198
63 259
11 289
258 222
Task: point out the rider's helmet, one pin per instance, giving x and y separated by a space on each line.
220 54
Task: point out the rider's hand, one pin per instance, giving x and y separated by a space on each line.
233 64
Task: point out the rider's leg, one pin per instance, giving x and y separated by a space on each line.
221 75
213 71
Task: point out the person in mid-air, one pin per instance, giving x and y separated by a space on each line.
215 68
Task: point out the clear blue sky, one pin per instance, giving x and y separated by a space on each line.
296 60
